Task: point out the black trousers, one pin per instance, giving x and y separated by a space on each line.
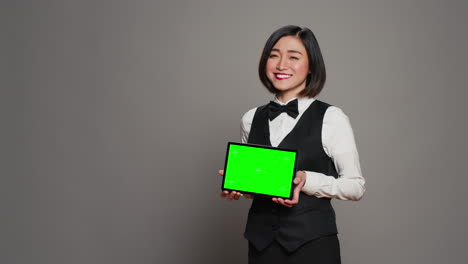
324 250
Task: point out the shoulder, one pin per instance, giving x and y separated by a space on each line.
246 124
331 112
335 113
247 118
336 121
249 115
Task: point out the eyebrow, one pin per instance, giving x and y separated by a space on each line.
292 51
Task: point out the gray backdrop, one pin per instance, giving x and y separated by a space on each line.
115 118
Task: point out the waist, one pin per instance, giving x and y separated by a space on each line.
306 203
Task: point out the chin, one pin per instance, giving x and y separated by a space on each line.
285 88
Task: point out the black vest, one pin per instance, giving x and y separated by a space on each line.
312 217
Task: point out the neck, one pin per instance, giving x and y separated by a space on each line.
284 97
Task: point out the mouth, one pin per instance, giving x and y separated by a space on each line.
282 76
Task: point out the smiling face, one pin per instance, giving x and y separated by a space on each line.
288 66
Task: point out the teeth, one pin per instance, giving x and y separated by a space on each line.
283 75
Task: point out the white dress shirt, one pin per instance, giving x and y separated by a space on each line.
338 143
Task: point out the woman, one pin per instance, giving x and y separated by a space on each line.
301 230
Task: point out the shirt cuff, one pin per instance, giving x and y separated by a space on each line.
314 183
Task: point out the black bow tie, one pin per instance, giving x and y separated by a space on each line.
275 109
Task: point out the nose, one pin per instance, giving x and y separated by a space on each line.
282 64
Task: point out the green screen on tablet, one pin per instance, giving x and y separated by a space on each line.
259 169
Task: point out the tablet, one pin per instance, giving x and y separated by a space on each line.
259 170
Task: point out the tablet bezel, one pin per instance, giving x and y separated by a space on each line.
264 147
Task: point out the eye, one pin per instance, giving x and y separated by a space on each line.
273 55
294 58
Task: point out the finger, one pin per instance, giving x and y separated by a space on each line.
297 191
224 194
221 172
290 202
295 198
232 195
278 200
282 202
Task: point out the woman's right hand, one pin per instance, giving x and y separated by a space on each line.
232 195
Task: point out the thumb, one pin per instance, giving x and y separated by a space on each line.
221 172
297 180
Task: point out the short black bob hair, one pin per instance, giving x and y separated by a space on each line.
316 78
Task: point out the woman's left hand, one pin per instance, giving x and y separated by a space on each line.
299 181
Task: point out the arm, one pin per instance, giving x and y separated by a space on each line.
246 123
339 143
